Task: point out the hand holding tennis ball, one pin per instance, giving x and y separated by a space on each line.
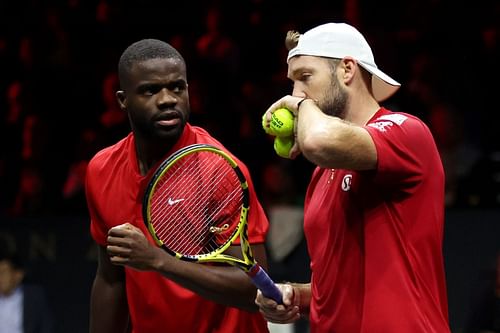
282 122
267 129
281 126
282 145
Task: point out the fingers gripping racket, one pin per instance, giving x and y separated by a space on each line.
196 206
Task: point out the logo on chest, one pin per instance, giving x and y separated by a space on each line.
346 182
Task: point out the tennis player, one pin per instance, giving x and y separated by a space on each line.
373 214
138 285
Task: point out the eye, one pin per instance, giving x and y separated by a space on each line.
178 87
304 77
149 90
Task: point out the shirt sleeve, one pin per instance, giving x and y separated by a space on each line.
402 144
98 229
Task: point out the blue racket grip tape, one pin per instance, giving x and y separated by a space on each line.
265 284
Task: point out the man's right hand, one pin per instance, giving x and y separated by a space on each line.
285 313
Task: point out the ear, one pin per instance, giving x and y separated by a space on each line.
122 99
349 68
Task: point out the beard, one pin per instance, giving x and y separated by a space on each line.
146 128
334 102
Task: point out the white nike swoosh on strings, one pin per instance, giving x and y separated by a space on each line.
173 202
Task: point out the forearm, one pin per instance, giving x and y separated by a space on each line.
225 285
331 142
127 246
302 297
108 307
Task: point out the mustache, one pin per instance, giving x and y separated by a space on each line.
168 114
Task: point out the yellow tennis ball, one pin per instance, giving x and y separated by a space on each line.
282 122
282 145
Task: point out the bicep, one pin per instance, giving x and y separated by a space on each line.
337 144
358 148
109 310
106 270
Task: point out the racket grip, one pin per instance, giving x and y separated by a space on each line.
265 283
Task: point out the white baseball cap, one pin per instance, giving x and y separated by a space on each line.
339 40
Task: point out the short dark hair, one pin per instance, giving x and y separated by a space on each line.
143 50
12 256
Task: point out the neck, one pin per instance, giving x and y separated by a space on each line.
149 154
361 109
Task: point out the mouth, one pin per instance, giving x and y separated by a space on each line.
168 118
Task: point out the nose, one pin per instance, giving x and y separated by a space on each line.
298 91
166 98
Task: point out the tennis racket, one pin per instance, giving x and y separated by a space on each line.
196 206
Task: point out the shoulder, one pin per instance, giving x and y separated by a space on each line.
110 154
386 120
203 136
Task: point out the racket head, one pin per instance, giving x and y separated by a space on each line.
196 203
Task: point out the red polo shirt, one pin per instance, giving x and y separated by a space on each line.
375 238
115 190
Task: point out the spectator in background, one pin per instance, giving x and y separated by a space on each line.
27 133
218 63
458 153
23 307
113 121
282 200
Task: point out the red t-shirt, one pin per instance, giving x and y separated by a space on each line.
115 190
375 238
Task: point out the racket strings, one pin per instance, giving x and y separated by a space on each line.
208 240
221 219
161 197
173 186
197 236
200 239
191 198
182 187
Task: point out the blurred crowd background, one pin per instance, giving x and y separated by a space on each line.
58 65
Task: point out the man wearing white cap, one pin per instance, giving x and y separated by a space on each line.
374 209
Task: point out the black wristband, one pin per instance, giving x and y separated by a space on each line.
300 102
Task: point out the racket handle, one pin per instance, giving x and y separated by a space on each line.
265 283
